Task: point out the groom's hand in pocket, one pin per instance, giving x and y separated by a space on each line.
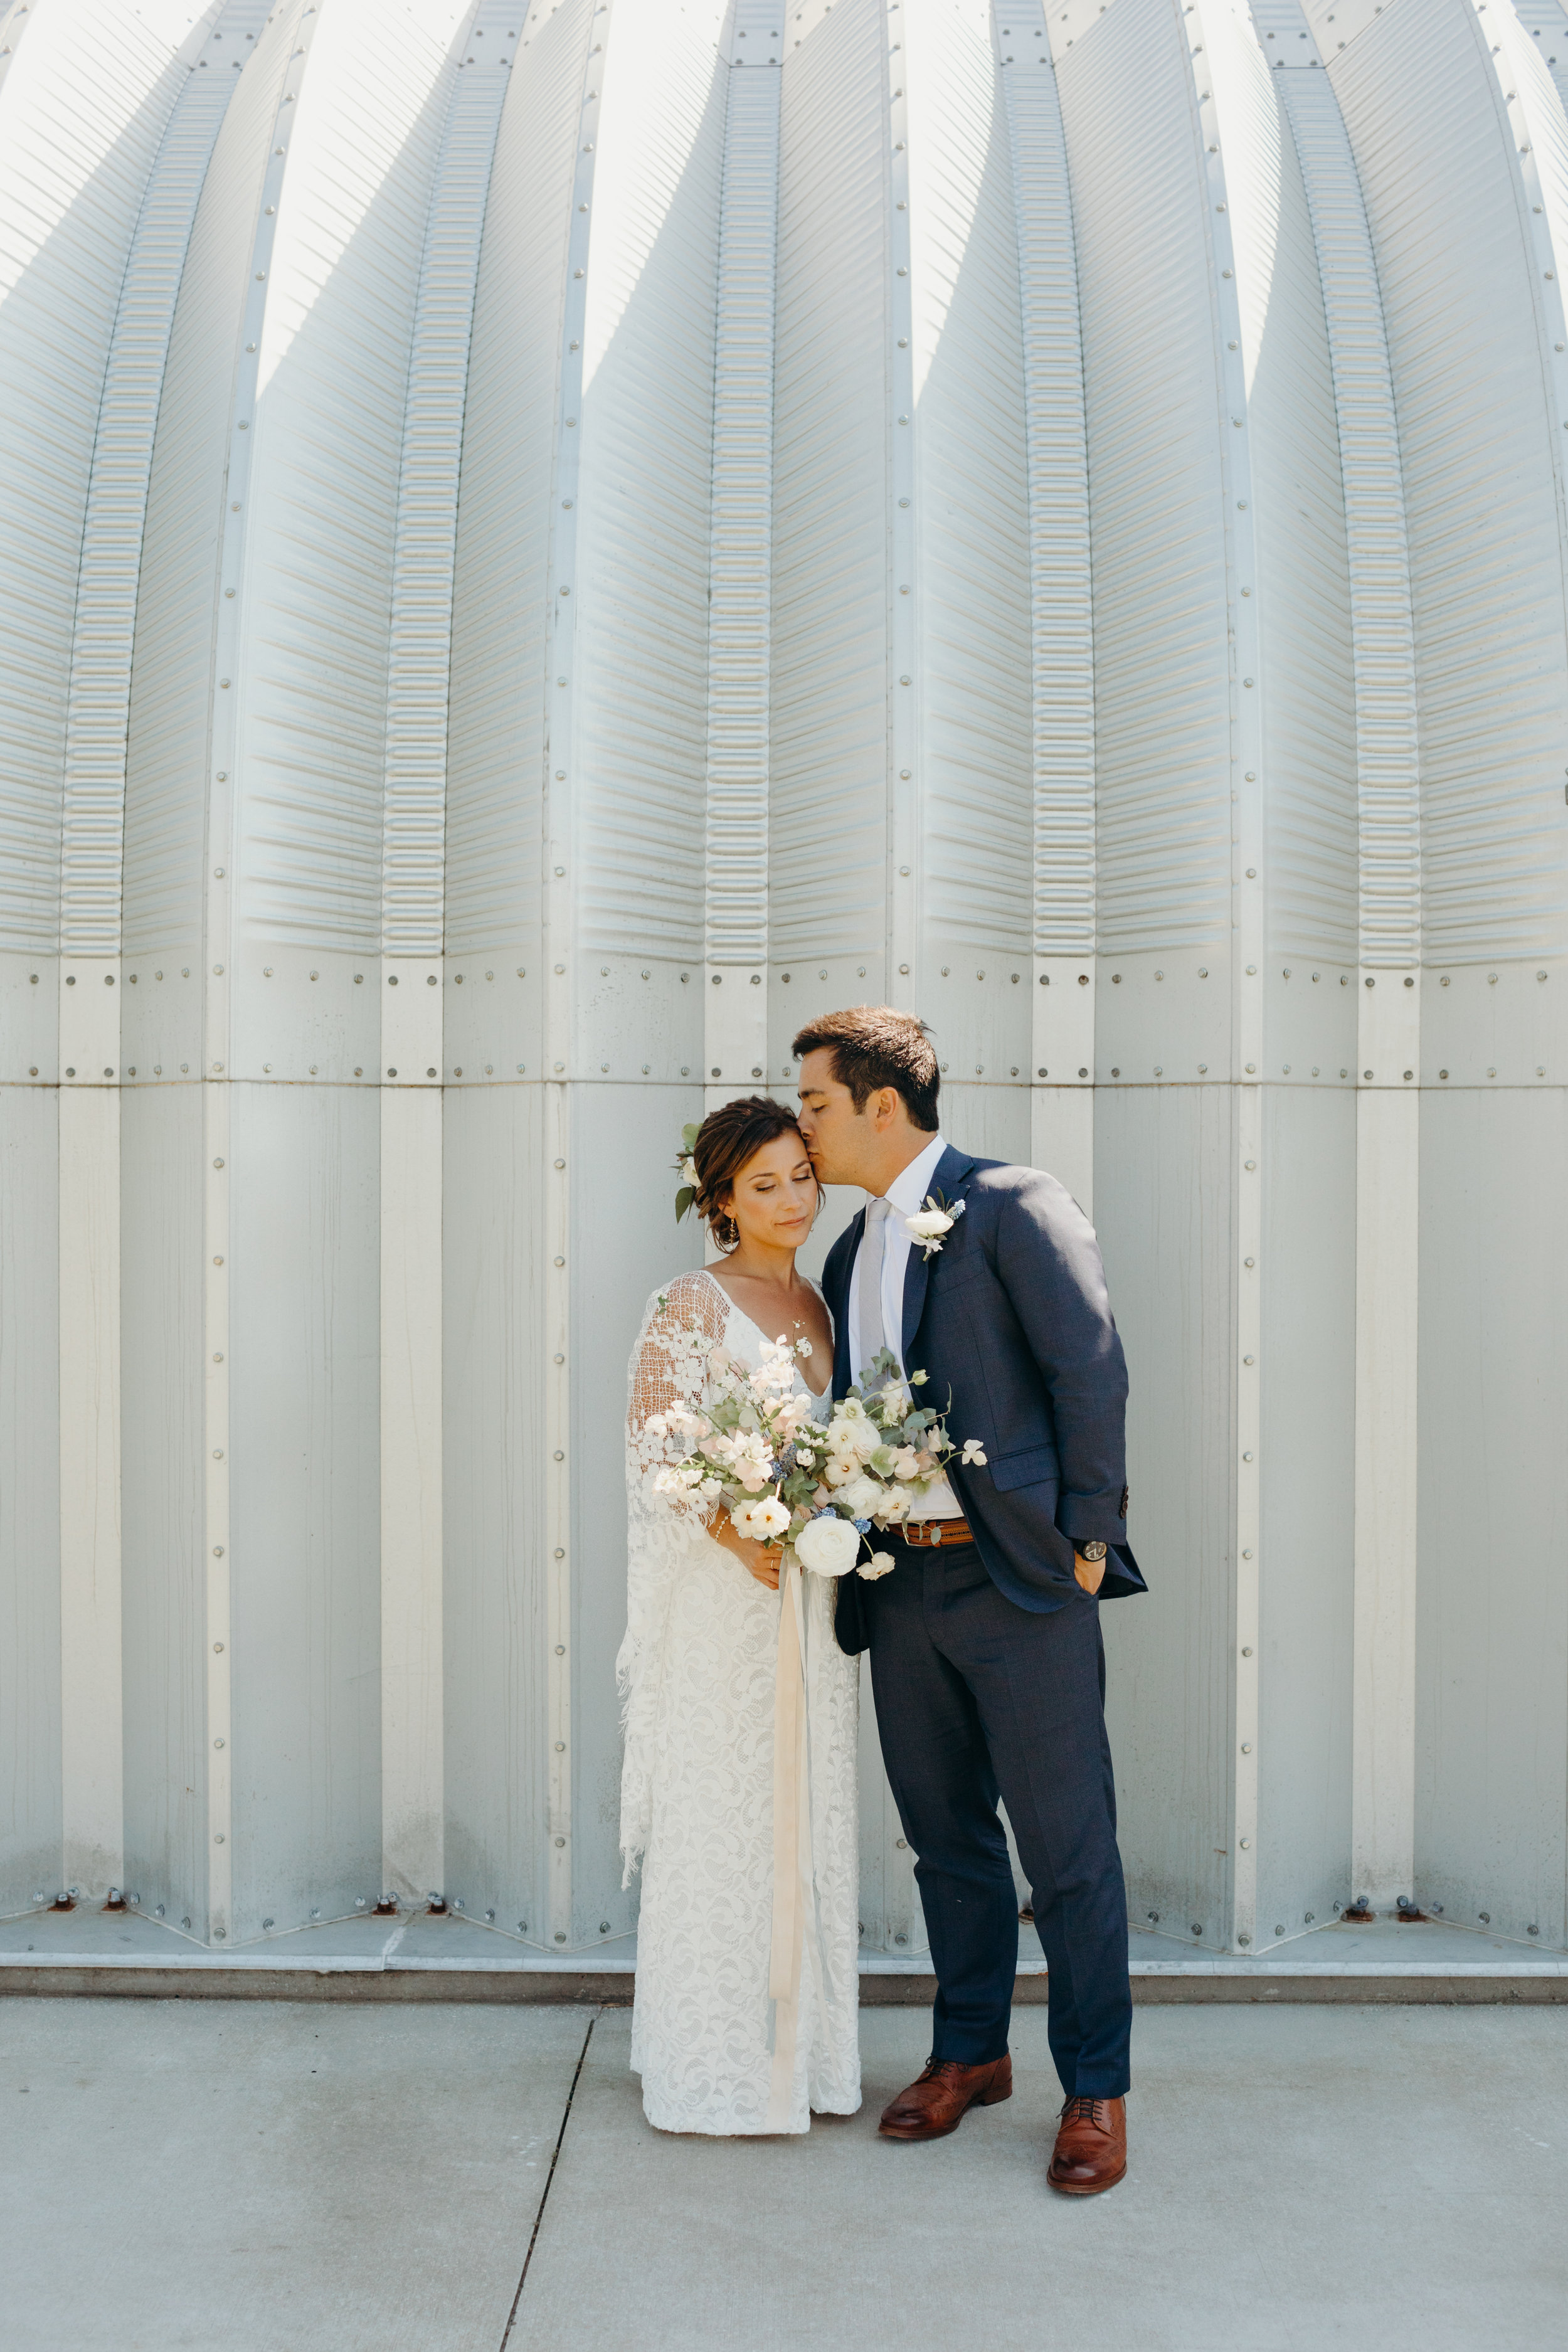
1090 1573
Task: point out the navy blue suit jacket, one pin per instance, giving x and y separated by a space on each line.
1012 1318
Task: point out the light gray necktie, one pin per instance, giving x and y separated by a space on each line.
869 1336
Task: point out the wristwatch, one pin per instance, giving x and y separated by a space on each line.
1090 1550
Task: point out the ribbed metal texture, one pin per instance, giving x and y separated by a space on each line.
501 653
424 553
1299 595
1383 630
970 586
1438 175
82 108
1161 697
741 557
98 710
1061 613
325 441
830 684
645 435
179 589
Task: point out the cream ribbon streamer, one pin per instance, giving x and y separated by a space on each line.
795 1905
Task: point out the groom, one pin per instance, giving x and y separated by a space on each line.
986 1660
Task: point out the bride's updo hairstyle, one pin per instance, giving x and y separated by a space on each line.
726 1140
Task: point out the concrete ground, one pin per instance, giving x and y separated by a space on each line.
301 2177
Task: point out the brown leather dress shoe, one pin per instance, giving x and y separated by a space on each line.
936 2101
1090 2153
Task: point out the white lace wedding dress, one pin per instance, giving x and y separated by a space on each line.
699 1670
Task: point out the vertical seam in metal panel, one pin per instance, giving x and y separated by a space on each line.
1199 29
412 938
740 567
91 888
558 935
905 701
1389 844
217 1000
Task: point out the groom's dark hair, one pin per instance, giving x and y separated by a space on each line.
875 1045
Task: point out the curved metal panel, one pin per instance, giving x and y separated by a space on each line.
506 1304
326 439
1061 608
1435 151
1161 691
741 524
961 592
830 683
423 552
1383 630
83 107
98 713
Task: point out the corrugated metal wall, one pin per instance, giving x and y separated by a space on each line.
545 544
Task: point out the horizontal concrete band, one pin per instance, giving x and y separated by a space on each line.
613 1989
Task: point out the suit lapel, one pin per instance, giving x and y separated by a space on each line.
951 1171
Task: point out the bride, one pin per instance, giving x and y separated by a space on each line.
738 1788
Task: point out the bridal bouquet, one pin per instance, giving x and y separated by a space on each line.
880 1455
747 1440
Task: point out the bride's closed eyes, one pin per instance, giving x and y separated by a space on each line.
769 1183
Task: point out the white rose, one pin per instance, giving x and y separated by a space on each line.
763 1521
828 1546
929 1224
877 1565
860 1495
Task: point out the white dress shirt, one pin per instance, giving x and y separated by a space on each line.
905 1197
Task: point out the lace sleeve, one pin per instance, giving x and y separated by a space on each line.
660 1531
689 1304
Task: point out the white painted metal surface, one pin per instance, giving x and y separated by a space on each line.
577 536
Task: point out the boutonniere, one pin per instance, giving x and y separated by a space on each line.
931 1224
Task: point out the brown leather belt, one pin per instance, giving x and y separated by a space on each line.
926 1534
